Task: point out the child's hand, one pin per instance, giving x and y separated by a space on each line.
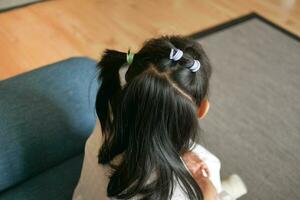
195 165
200 173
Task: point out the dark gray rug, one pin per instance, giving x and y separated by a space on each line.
6 5
253 124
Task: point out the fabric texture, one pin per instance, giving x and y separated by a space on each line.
46 117
57 183
253 122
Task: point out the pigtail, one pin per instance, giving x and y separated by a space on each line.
155 123
107 96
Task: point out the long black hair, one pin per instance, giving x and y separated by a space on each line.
152 120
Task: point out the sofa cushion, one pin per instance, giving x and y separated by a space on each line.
46 116
56 183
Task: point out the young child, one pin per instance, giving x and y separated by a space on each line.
143 145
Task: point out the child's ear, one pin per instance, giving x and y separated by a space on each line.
203 108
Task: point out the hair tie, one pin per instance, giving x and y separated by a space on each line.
196 66
176 54
129 57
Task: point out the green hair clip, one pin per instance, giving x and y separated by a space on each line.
129 57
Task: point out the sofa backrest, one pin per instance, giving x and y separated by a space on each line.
46 115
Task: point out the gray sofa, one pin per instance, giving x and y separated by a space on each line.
46 115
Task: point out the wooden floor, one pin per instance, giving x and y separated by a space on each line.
42 33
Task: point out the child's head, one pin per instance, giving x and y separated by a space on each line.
153 118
